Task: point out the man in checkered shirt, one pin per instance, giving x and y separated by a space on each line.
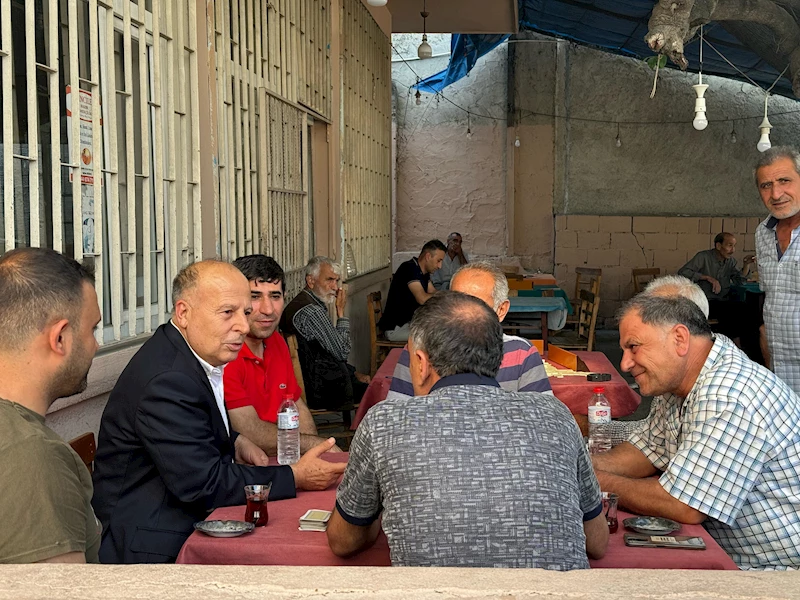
777 176
330 382
723 438
466 473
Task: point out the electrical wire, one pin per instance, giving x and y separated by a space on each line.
615 121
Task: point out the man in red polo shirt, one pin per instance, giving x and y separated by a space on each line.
257 382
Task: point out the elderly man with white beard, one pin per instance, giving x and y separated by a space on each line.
330 382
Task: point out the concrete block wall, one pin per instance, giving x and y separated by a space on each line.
619 244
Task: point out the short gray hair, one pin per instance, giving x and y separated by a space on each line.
666 311
681 286
315 264
775 154
500 288
459 333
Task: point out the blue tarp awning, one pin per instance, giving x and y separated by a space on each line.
617 26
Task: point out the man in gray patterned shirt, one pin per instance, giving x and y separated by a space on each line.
466 473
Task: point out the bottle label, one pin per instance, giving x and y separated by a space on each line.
287 420
599 414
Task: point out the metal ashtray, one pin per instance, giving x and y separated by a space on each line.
224 529
652 525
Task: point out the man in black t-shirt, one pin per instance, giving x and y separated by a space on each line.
411 288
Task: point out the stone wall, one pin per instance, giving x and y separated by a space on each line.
619 244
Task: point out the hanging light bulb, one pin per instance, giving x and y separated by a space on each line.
469 130
424 50
733 133
763 142
700 121
516 142
376 2
618 142
418 97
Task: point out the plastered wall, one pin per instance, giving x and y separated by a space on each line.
446 181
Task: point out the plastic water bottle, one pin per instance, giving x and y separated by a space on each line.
599 417
288 432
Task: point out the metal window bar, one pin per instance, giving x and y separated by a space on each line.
154 180
365 138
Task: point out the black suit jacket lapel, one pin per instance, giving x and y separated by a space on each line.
177 340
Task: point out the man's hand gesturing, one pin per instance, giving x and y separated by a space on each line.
314 473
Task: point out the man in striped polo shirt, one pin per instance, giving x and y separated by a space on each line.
521 370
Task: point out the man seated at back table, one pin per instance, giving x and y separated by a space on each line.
454 259
411 287
724 438
262 375
715 271
466 473
522 369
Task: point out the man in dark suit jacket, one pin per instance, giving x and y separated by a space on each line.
166 455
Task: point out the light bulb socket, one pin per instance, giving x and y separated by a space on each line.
700 89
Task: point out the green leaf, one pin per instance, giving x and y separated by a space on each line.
659 59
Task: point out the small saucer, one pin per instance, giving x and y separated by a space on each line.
652 525
224 529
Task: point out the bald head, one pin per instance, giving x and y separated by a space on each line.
211 304
197 276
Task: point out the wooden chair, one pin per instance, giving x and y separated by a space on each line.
641 277
583 337
339 428
379 345
85 447
588 279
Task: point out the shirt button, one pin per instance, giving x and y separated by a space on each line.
258 362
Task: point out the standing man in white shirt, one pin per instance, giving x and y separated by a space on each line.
777 176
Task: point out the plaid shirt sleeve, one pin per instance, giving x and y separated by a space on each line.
313 323
652 439
358 498
719 460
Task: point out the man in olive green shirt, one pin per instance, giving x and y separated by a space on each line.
48 312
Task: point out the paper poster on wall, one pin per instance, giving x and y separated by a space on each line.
86 146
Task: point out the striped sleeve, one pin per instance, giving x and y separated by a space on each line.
401 386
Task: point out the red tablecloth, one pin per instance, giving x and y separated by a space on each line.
281 543
573 391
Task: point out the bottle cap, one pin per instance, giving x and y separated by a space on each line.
599 390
